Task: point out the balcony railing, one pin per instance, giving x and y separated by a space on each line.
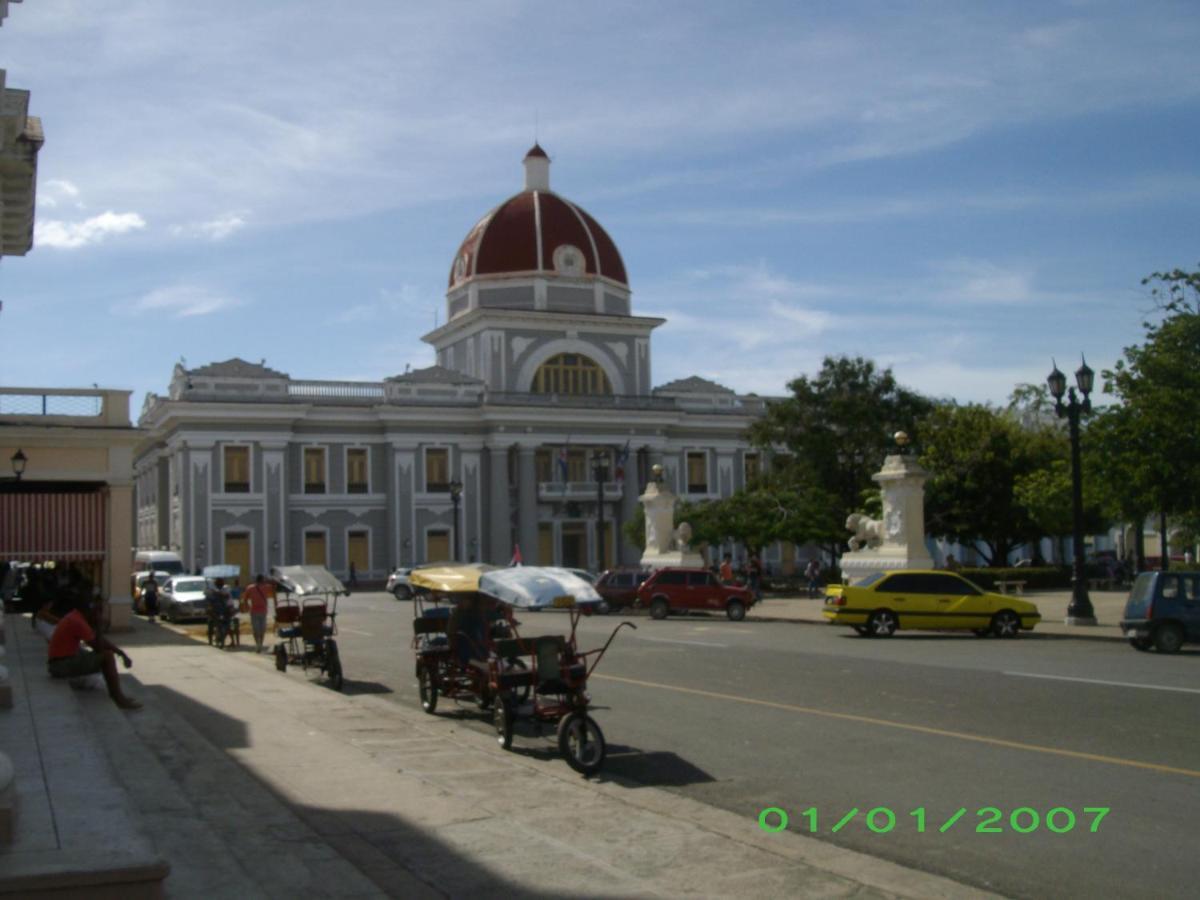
584 401
66 406
336 390
549 491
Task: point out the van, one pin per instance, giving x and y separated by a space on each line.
155 561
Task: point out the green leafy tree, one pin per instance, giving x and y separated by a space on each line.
978 457
831 435
1158 383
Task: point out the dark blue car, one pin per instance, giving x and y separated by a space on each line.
1163 611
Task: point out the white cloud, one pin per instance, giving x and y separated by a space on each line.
58 191
979 281
214 229
70 235
183 301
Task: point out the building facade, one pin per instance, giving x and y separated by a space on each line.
542 372
72 505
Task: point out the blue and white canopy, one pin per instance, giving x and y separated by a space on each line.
538 587
222 570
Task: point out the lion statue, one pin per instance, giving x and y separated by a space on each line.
681 537
868 532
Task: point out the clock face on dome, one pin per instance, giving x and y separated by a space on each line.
568 260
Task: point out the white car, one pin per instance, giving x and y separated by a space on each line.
182 597
398 584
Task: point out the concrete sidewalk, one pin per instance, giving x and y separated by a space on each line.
1108 606
267 784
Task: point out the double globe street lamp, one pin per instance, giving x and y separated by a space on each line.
1080 611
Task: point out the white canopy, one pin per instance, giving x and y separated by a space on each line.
307 580
538 587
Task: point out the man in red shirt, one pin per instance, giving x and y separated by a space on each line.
257 596
68 658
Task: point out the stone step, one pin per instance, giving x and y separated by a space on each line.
73 833
192 794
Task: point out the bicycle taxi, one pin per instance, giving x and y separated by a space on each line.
306 619
551 688
229 626
452 624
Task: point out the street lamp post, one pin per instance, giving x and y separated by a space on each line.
456 490
600 470
1079 611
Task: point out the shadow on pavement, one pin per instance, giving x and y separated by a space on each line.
399 856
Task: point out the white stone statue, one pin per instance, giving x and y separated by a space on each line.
868 532
666 545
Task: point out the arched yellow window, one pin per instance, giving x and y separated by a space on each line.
570 373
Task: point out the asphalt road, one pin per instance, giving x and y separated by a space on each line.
817 722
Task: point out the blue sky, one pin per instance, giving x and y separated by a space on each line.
958 190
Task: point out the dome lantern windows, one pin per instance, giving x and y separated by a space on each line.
570 373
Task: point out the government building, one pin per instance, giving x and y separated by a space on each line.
542 375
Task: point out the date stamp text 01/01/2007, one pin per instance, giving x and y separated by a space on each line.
987 820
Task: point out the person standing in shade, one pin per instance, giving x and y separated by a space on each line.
150 597
257 596
813 572
754 577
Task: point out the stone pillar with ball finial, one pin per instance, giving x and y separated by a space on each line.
897 540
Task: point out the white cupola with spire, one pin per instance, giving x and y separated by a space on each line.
537 169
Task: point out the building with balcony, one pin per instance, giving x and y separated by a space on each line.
541 368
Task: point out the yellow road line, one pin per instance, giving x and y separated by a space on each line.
921 729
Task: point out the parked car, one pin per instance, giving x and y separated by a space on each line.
619 586
398 584
678 589
182 597
883 603
1163 611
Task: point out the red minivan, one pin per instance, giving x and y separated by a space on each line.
679 590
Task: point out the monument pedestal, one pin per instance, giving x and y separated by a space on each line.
672 558
899 537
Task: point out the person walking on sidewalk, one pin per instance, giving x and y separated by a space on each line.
150 598
257 596
68 658
813 572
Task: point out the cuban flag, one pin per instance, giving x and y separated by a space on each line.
563 468
622 459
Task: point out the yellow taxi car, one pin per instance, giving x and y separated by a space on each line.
884 602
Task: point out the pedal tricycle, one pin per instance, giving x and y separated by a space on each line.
560 670
224 625
306 620
454 626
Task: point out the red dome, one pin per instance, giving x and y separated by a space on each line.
507 240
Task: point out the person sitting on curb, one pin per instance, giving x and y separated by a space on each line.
68 658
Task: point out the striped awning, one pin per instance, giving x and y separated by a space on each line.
42 525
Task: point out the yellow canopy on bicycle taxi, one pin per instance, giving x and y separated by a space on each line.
453 578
